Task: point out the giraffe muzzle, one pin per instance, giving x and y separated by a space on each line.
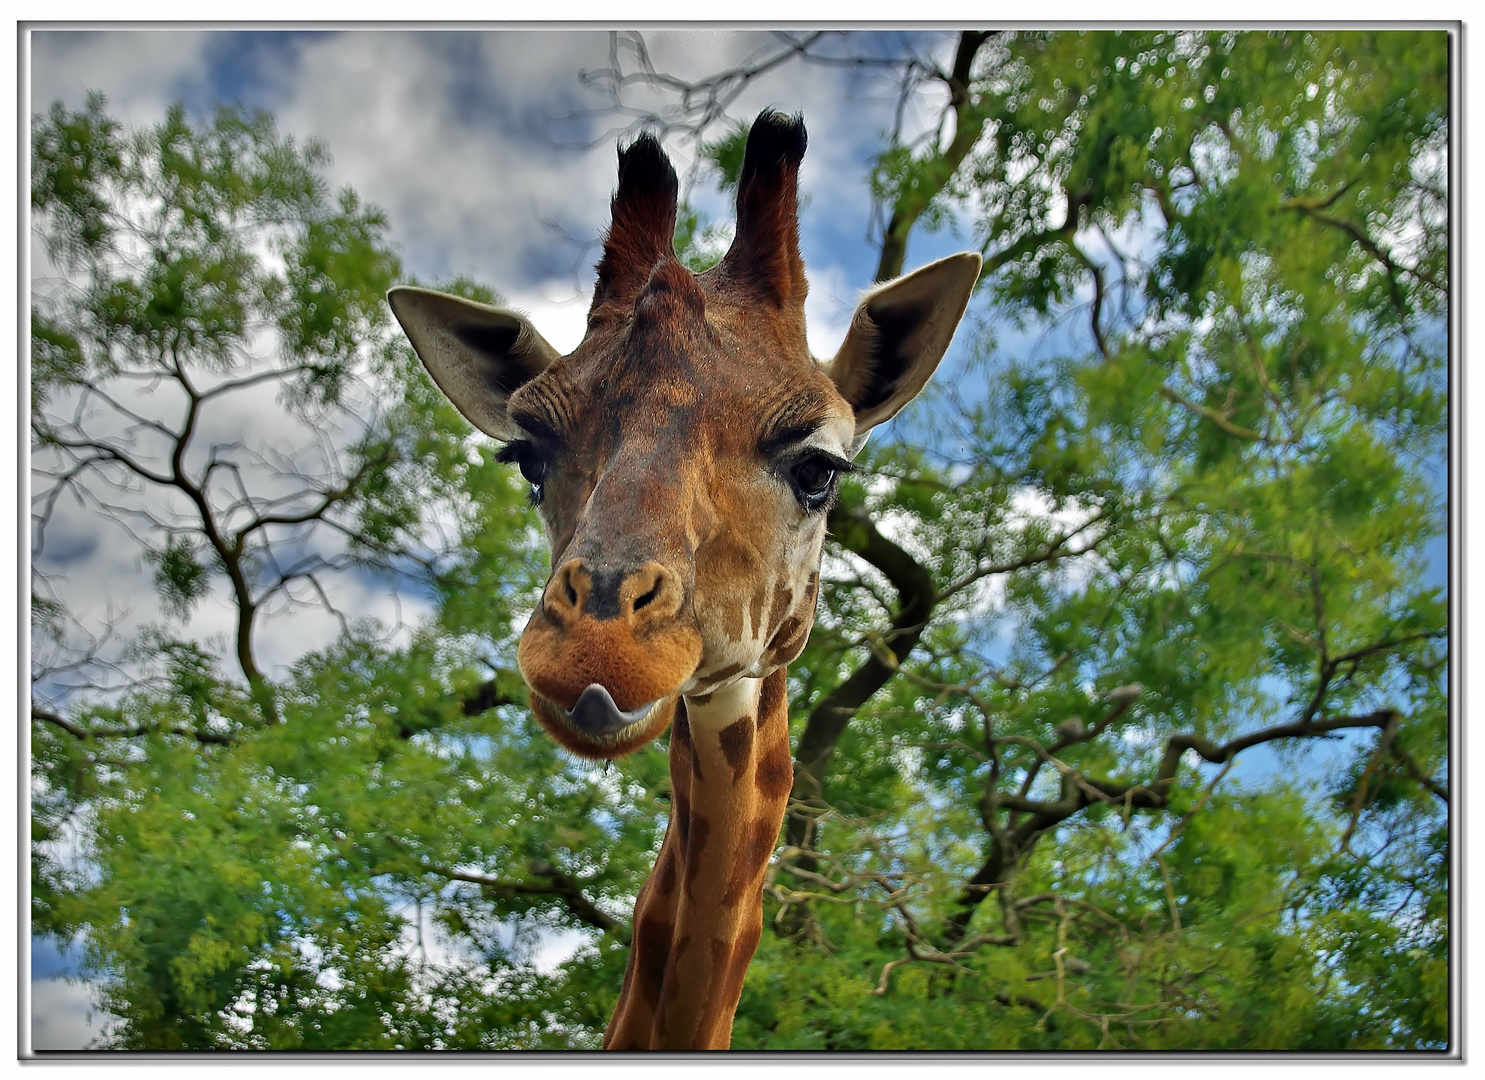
596 713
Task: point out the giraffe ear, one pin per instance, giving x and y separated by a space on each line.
897 337
477 354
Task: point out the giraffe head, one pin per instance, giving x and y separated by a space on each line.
684 455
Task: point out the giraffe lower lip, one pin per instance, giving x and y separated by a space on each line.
596 713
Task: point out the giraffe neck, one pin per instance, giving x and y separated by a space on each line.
699 916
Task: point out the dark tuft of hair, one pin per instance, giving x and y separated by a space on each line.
774 142
642 225
645 171
765 249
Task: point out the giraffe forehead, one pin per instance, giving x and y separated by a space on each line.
704 388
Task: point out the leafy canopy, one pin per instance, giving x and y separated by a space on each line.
1122 721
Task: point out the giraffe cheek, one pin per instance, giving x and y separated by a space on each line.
789 642
731 648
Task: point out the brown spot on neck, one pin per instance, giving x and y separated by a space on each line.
665 871
737 742
750 860
696 836
775 775
742 955
771 709
651 947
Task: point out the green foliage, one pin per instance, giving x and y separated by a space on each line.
724 155
699 243
180 578
1211 467
71 157
298 863
1209 486
261 894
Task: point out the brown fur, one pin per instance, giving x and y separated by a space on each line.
642 225
775 777
737 742
721 858
668 445
752 858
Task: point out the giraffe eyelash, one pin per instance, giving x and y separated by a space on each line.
524 455
801 472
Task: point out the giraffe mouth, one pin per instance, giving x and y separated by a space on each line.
596 714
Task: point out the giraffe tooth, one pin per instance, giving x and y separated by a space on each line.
596 713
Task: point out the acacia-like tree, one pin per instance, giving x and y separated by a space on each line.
244 856
1124 723
1195 525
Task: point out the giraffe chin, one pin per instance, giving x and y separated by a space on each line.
596 713
595 727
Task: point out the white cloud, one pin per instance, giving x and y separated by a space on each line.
467 187
828 309
138 73
451 134
63 1016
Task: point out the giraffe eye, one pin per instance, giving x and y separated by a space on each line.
813 479
532 465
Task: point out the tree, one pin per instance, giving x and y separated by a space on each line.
259 858
1173 509
1205 513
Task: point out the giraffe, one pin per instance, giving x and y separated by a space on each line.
683 458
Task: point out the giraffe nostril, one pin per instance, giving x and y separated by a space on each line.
653 592
567 593
648 597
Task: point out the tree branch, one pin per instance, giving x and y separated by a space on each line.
937 172
1315 211
556 883
916 596
1051 553
1080 791
210 738
1175 397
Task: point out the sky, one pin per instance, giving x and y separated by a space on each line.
492 160
484 149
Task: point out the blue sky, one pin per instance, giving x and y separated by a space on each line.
460 137
480 149
491 160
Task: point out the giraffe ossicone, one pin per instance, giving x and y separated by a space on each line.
683 459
